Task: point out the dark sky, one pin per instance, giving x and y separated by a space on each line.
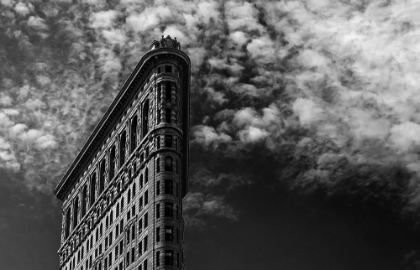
304 136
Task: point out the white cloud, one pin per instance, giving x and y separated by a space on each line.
115 36
405 136
238 37
22 9
150 17
307 111
262 49
208 135
37 23
103 19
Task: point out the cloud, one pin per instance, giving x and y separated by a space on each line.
150 17
405 136
37 23
103 19
209 136
197 206
23 9
327 84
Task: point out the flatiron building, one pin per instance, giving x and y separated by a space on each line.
122 195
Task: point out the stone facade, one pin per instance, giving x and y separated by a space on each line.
122 196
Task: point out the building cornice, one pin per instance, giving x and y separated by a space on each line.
112 115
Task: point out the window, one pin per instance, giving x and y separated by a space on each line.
141 181
140 225
145 244
157 187
133 139
169 257
112 163
168 91
177 190
145 117
157 258
92 189
158 165
169 209
158 210
146 197
159 93
102 176
123 140
75 211
176 167
146 175
168 140
168 164
67 230
159 116
84 200
132 255
145 264
159 70
168 115
169 233
168 68
169 186
158 234
141 202
146 220
158 142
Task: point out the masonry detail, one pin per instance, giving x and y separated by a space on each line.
122 195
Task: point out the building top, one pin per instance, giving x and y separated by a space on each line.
167 42
116 109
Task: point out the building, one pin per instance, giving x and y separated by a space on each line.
122 195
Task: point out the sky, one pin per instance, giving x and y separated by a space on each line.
305 125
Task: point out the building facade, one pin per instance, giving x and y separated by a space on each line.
122 195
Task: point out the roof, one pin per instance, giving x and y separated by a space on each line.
115 111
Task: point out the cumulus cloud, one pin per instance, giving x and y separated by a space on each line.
197 206
325 83
209 136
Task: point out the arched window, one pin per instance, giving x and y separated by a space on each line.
133 138
75 211
102 176
84 200
123 140
145 117
112 163
168 115
168 91
168 140
168 164
67 229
